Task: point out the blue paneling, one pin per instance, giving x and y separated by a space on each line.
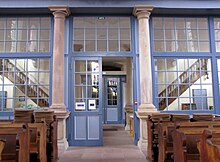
93 127
112 114
80 127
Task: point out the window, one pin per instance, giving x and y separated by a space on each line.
24 83
24 34
184 84
86 79
101 34
217 33
176 34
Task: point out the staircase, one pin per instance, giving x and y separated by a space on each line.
184 81
20 78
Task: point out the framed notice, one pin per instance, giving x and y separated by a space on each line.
80 106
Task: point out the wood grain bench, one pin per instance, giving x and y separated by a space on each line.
152 133
38 140
165 135
2 146
185 143
209 147
12 133
52 148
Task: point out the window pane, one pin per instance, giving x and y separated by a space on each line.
45 23
159 34
202 23
112 22
44 46
2 23
125 45
101 45
78 22
203 35
89 22
34 23
191 23
125 34
90 45
113 45
113 33
204 46
157 22
159 46
101 33
169 23
169 35
78 45
124 22
80 66
44 35
10 46
102 22
180 23
80 92
90 34
21 47
78 34
1 35
170 46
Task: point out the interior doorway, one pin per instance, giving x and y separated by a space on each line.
112 100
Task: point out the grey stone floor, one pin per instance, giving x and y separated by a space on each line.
118 147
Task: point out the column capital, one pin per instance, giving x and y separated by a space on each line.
60 9
142 11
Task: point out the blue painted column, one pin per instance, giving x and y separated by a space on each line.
146 106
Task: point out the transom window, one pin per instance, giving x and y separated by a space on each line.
96 34
24 83
184 84
25 34
176 34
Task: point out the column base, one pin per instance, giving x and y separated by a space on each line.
142 144
143 112
129 111
62 146
61 115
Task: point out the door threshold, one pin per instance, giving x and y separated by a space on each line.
113 127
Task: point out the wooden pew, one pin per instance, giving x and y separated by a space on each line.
10 133
49 117
39 144
209 147
52 151
2 145
152 133
185 143
165 131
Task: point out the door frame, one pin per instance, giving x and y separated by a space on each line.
120 101
72 118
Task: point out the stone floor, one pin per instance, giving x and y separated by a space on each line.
118 147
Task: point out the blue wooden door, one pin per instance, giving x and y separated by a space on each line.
112 111
86 112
